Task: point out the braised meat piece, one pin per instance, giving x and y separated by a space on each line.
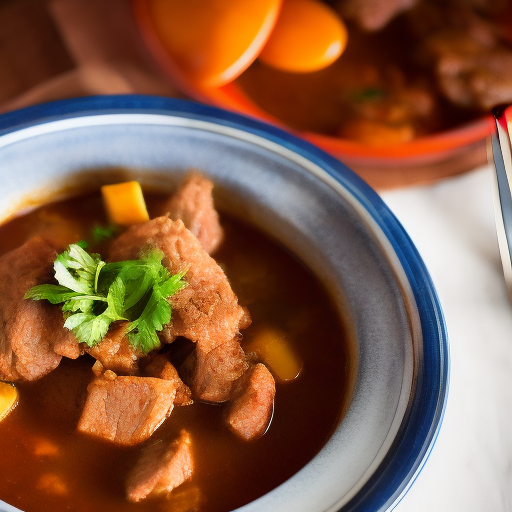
32 334
206 310
373 15
64 343
252 404
215 372
126 410
161 368
161 468
115 352
482 79
193 204
467 52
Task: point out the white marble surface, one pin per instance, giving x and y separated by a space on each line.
452 225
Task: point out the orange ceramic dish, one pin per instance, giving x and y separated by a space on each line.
420 160
308 36
223 39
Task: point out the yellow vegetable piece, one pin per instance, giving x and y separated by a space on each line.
8 399
125 203
273 348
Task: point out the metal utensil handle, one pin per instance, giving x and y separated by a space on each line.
502 155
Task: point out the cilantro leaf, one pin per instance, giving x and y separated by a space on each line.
88 328
101 233
142 331
51 292
116 301
76 269
77 304
94 294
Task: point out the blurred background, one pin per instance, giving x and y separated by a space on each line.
400 90
59 49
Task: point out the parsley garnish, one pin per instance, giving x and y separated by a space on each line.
101 233
373 94
94 294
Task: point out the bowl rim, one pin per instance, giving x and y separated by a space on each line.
231 97
420 428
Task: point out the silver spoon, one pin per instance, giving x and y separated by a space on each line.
502 155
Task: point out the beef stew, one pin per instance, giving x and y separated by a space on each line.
411 68
110 429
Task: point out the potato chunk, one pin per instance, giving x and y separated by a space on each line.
125 203
8 399
272 347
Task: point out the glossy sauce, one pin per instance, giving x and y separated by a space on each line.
48 466
326 101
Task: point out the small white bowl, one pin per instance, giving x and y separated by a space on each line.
319 210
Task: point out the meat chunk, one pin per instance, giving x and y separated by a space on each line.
482 80
466 51
161 468
115 352
252 404
193 204
373 14
161 368
65 343
126 410
32 334
206 310
215 372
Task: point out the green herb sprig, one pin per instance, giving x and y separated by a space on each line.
101 233
94 294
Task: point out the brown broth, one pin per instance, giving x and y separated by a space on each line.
278 290
323 101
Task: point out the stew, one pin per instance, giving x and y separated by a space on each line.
53 451
410 68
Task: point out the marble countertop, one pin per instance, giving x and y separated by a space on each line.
452 225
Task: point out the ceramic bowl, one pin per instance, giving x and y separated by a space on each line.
421 160
318 209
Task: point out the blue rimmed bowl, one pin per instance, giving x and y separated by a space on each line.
317 208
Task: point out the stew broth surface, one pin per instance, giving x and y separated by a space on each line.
48 466
396 77
324 101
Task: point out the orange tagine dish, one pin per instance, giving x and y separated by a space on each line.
403 87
